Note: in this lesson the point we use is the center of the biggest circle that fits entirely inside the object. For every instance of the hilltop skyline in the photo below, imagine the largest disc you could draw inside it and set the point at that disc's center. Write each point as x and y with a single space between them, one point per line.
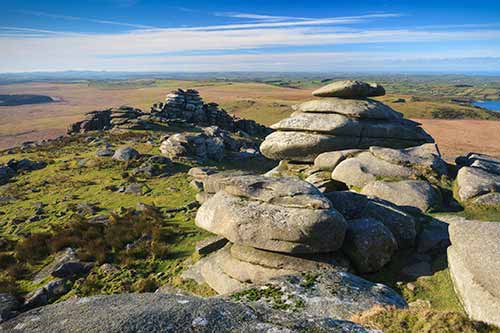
134 35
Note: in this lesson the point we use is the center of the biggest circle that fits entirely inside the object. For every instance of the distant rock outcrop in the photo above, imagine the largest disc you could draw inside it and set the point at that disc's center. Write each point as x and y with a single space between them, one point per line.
187 105
180 107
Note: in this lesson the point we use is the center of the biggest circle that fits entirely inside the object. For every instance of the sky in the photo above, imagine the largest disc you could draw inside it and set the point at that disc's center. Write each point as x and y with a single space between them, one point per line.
285 36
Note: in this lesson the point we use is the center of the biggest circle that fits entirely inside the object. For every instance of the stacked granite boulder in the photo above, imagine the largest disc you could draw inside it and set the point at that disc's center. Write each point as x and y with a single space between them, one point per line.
275 227
347 141
187 106
346 119
478 180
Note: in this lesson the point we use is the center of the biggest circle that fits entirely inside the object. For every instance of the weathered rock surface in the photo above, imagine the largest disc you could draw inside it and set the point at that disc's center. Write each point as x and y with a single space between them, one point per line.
272 227
364 109
326 294
141 313
350 89
298 263
366 168
425 158
473 182
329 160
283 191
410 194
305 146
474 261
369 244
353 206
9 306
339 125
126 154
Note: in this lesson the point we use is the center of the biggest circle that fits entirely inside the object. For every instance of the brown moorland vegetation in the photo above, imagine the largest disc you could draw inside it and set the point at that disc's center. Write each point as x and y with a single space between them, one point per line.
262 102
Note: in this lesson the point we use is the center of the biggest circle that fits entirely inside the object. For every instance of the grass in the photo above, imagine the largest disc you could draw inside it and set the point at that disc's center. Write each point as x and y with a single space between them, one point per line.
420 321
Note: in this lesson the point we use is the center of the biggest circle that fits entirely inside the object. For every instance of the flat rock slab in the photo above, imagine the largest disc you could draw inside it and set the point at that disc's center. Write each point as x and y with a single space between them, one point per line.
425 157
474 261
335 124
212 273
169 313
327 294
272 227
302 263
305 147
473 182
364 109
410 194
366 168
282 191
350 89
246 272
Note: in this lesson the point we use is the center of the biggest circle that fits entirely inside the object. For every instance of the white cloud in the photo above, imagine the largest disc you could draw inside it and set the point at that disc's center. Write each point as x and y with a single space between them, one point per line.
26 49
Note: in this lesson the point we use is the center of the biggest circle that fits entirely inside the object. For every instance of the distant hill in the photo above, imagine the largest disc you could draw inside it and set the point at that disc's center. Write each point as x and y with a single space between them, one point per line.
14 100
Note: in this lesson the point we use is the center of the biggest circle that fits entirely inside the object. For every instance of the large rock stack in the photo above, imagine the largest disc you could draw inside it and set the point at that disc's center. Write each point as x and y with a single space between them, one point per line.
346 119
347 141
275 226
188 106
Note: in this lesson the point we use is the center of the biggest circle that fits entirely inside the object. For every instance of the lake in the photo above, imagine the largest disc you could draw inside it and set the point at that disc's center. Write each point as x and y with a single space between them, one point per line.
490 105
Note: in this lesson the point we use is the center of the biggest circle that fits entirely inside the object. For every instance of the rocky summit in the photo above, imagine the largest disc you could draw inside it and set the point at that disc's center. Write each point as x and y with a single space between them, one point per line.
333 124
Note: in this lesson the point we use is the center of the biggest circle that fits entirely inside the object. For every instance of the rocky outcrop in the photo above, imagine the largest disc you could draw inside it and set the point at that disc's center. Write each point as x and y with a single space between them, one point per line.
188 106
474 261
122 117
14 167
478 179
349 122
177 313
212 143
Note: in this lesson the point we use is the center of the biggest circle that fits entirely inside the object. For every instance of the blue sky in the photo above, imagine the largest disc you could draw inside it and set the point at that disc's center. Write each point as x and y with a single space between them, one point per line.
312 36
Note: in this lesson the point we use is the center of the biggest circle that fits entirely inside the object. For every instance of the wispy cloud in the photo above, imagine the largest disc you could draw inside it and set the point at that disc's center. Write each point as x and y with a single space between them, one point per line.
259 16
78 18
220 47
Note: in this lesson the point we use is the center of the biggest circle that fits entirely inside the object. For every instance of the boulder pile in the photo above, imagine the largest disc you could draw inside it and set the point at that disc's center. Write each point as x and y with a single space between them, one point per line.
280 226
344 119
188 106
124 117
15 167
275 227
478 179
212 143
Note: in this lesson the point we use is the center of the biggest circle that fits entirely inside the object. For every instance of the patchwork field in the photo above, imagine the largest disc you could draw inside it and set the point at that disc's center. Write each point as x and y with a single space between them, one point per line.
469 129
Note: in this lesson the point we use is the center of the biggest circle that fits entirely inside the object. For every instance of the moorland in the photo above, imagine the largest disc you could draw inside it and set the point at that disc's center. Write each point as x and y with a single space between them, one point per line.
440 103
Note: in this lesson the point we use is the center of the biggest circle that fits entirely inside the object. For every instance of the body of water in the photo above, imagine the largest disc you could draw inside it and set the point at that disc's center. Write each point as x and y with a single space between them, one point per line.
490 105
